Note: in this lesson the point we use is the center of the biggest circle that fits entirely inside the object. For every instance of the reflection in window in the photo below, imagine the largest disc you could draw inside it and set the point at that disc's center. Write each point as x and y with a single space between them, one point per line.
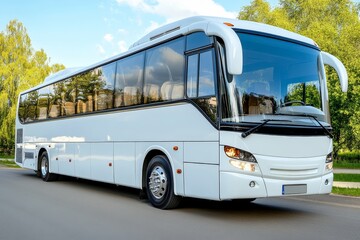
54 102
42 105
303 94
68 97
164 75
206 75
192 75
104 86
200 75
31 105
129 78
201 82
197 40
22 111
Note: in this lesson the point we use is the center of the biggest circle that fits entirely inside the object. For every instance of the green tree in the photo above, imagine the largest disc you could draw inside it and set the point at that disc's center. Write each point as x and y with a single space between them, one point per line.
20 68
335 26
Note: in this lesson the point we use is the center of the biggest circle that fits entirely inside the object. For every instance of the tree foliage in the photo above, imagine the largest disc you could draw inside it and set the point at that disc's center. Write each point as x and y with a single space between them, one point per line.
335 26
20 68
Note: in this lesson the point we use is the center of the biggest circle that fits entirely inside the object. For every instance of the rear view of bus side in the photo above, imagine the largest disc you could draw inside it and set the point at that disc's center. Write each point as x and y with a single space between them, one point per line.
204 107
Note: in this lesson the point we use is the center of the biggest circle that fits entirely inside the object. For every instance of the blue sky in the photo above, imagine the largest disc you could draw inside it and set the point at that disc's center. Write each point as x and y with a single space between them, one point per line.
83 32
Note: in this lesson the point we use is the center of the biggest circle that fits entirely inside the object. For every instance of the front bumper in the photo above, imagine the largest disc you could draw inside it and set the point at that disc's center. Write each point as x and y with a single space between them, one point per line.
237 186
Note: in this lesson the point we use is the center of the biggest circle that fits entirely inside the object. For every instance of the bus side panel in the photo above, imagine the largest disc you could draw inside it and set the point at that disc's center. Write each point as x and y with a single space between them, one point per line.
201 169
66 154
83 160
124 164
201 181
102 161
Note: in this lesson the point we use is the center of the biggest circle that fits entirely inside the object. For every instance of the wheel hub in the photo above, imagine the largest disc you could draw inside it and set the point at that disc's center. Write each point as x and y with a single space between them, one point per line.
44 166
158 182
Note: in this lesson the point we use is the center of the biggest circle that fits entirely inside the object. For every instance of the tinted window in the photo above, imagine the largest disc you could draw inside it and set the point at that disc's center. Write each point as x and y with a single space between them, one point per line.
68 97
31 104
105 86
201 82
164 72
192 75
129 79
42 105
197 40
206 75
200 75
22 111
85 91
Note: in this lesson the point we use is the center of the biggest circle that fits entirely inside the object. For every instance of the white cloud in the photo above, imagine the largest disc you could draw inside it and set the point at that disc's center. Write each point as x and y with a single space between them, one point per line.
122 31
108 37
100 49
122 46
177 9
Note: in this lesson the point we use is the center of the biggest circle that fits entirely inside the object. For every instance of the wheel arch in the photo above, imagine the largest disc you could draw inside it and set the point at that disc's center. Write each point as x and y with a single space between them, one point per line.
152 152
41 151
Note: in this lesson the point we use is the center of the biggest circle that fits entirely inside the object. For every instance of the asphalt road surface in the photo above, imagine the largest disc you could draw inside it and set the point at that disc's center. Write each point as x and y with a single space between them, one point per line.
79 209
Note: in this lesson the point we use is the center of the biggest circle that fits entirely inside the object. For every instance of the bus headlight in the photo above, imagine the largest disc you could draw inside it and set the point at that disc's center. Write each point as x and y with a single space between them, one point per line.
241 159
329 162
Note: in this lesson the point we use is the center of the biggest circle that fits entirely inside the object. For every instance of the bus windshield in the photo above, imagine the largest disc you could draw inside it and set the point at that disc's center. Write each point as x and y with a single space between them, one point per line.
279 78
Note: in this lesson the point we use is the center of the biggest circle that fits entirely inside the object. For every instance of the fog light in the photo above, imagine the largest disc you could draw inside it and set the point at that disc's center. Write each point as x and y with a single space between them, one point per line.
252 184
326 182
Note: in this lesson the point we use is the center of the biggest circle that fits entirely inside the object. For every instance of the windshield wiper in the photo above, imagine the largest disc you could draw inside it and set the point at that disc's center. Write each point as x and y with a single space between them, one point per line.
322 126
328 133
257 127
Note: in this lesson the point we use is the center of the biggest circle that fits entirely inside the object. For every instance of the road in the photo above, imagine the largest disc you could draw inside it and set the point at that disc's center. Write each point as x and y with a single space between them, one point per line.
79 209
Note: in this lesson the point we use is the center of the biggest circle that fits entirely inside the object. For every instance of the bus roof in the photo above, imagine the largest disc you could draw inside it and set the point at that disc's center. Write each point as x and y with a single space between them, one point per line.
182 27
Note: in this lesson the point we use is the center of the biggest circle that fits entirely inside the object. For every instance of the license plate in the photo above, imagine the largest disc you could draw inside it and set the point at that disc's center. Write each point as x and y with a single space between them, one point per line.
294 189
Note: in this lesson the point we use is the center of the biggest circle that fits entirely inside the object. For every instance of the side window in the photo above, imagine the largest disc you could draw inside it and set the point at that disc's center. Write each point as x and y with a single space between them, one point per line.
31 105
105 86
200 75
68 97
192 75
54 102
197 40
201 82
42 104
22 111
164 72
129 79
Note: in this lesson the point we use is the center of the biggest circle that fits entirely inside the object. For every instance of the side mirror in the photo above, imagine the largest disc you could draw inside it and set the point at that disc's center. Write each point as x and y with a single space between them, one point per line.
332 61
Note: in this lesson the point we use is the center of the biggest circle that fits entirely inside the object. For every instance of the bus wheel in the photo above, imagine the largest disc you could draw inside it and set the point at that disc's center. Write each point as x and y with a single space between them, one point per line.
160 184
44 168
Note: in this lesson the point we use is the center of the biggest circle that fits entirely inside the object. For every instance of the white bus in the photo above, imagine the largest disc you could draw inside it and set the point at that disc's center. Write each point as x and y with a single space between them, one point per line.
204 107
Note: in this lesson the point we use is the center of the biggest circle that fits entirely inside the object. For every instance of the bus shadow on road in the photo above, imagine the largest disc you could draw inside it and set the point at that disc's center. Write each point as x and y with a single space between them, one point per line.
274 208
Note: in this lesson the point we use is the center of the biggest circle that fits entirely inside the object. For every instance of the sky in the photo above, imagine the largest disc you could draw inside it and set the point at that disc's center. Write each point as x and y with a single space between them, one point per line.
79 33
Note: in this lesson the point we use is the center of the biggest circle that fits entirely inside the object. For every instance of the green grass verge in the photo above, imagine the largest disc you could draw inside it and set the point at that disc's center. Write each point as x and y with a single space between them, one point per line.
6 156
8 163
355 192
344 164
345 177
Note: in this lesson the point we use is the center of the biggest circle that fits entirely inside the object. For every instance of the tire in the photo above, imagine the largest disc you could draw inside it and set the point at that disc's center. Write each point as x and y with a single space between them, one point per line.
160 184
44 169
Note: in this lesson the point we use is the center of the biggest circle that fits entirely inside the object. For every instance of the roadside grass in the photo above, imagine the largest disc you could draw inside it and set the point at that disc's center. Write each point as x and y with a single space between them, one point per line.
345 177
354 192
5 156
8 163
346 164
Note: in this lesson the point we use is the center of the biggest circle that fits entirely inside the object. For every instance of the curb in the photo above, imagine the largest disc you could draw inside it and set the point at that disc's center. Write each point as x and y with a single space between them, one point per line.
346 184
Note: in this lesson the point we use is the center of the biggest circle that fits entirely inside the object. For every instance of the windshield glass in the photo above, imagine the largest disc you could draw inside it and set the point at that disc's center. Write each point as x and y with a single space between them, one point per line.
279 78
